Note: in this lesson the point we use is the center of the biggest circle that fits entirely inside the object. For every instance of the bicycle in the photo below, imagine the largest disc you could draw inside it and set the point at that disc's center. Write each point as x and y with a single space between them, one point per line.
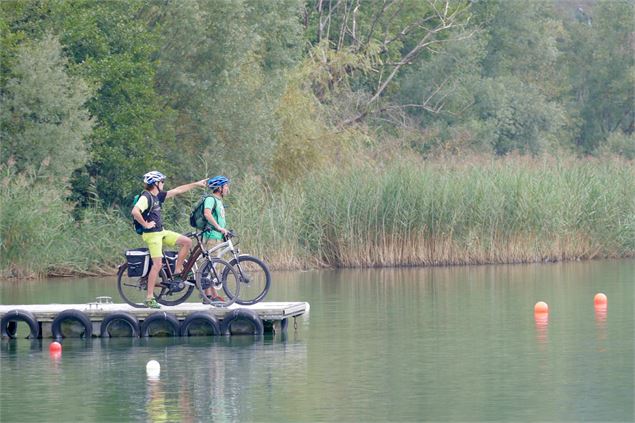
171 290
254 275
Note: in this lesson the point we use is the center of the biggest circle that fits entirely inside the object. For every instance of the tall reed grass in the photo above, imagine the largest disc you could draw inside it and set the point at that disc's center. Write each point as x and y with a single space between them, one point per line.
418 213
405 213
40 237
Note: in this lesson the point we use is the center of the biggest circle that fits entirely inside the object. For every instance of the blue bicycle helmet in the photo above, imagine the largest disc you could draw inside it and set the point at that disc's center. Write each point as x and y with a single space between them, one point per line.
217 182
153 177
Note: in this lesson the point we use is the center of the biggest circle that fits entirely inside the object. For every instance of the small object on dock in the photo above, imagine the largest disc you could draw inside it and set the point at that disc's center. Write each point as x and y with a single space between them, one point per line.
541 307
153 369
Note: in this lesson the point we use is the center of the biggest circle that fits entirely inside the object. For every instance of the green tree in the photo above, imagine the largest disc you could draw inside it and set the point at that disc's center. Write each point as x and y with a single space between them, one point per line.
113 47
373 44
221 69
514 115
522 40
44 124
600 58
498 89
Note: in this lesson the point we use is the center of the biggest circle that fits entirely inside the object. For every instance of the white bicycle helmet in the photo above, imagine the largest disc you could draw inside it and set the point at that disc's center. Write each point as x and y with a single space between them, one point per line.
153 177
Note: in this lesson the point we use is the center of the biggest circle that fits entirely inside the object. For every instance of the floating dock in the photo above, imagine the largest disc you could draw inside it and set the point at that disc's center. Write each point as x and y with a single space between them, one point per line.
106 319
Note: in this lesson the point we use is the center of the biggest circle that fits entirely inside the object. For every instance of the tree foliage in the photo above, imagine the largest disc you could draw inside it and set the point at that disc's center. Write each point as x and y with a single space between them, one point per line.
277 89
386 37
44 124
599 55
221 67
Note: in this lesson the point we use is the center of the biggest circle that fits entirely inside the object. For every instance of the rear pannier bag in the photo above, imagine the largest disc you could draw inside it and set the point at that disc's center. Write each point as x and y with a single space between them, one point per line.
138 262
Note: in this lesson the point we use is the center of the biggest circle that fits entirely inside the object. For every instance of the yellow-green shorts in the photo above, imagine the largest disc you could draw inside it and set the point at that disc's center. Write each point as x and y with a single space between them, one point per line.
156 240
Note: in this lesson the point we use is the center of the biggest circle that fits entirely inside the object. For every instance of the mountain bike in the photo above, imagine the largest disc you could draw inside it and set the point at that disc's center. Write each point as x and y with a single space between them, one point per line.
171 289
253 273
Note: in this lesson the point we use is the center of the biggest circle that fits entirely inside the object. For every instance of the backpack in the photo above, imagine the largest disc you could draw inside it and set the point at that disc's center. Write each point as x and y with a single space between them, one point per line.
137 226
197 216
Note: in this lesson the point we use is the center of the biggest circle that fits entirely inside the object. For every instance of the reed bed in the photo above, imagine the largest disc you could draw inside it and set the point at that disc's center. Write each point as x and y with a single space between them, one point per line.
39 236
483 211
407 213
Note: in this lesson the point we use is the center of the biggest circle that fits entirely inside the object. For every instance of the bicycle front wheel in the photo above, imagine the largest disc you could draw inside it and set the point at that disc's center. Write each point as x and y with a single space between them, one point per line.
133 289
208 278
255 279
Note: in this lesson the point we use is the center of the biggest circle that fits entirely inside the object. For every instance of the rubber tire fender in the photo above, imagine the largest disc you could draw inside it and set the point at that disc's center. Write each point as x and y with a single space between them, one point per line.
204 316
71 314
242 314
160 316
119 316
21 316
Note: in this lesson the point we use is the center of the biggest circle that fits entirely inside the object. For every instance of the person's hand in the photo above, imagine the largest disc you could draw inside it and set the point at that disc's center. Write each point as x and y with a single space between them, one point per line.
223 231
202 183
151 224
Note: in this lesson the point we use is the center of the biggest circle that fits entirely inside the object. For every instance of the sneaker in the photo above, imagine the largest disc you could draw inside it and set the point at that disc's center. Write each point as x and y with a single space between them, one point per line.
214 298
151 303
217 284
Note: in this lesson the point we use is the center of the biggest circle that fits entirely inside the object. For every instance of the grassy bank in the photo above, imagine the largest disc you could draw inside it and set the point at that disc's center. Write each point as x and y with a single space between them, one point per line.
408 213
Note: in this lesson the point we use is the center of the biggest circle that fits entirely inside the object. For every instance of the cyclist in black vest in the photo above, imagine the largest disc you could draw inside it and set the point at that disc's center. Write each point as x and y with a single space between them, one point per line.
153 232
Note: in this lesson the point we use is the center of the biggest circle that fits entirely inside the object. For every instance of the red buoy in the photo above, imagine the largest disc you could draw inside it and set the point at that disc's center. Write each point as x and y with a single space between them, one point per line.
55 347
600 298
541 307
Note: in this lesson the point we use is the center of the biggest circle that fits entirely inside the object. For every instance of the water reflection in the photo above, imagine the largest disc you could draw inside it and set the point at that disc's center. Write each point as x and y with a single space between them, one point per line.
542 323
601 311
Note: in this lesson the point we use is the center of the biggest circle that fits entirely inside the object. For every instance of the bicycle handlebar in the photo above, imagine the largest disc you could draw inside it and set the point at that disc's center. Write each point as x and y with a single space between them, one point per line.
230 234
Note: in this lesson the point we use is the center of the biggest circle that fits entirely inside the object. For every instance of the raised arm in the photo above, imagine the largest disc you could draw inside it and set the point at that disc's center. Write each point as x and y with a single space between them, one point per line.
185 188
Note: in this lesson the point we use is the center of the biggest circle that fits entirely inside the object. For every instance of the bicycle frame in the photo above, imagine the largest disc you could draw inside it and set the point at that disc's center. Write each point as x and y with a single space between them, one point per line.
193 257
224 247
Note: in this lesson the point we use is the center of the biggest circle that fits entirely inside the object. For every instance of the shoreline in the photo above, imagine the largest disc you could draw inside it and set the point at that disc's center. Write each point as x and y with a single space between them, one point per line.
275 268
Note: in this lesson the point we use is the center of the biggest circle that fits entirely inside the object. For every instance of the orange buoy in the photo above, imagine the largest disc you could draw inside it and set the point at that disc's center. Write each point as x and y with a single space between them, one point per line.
600 298
541 307
55 348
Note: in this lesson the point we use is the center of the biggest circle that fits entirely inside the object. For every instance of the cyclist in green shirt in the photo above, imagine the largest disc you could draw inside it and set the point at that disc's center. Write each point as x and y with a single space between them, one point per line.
214 213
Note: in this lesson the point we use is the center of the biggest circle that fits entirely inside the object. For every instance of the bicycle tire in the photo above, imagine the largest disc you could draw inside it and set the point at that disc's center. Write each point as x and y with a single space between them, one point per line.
133 289
214 268
255 287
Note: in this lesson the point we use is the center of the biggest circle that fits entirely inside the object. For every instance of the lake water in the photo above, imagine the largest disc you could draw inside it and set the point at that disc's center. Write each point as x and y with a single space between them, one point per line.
415 344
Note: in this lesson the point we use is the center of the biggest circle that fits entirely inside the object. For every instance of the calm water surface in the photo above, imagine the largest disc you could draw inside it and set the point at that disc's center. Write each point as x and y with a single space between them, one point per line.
430 344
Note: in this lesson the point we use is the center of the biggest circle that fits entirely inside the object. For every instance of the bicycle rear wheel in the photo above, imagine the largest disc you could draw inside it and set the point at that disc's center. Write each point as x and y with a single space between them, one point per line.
133 289
209 275
255 279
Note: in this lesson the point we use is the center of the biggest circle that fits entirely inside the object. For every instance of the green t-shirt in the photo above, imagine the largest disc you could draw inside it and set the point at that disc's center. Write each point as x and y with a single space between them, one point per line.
219 216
